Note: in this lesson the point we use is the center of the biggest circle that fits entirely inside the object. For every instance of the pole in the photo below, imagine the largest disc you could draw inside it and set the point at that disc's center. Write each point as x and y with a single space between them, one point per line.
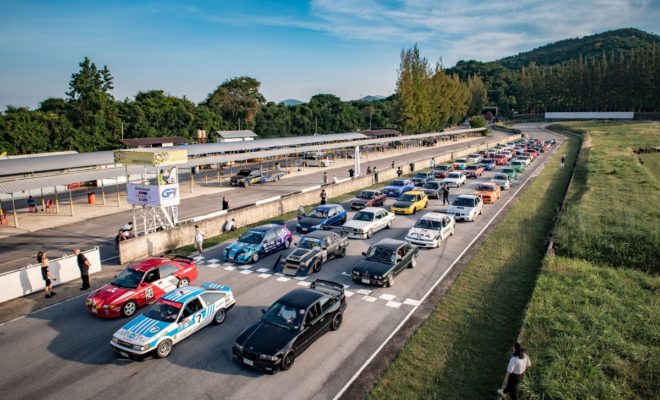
102 192
118 198
13 206
57 202
192 179
43 201
71 203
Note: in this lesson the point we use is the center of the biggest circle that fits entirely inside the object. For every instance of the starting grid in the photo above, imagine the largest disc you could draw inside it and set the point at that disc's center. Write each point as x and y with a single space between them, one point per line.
389 300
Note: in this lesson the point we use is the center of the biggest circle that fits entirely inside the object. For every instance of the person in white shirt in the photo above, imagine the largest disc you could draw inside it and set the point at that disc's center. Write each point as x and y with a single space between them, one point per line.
230 225
518 364
432 163
199 239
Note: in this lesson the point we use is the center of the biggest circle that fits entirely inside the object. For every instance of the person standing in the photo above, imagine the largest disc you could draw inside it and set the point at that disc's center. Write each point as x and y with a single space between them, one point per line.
392 164
32 204
335 180
515 371
199 239
432 163
399 172
563 160
45 274
83 265
324 196
445 194
376 174
325 178
225 203
351 173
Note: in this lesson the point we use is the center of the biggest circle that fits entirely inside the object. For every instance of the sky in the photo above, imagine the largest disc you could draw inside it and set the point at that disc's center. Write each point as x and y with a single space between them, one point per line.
296 49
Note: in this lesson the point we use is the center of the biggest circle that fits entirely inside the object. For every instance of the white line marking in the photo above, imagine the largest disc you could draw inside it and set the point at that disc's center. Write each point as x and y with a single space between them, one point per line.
246 272
411 302
245 267
369 299
303 283
265 276
213 260
412 310
393 304
262 270
213 265
301 278
230 268
104 260
345 273
279 274
283 279
365 292
348 293
387 297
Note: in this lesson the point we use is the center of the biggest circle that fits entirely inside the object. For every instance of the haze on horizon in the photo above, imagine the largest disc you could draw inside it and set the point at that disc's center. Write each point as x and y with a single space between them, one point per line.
296 49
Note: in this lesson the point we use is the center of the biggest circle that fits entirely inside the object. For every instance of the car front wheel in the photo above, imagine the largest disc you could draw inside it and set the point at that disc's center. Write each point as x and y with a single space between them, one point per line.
129 308
390 280
255 257
316 266
413 263
164 348
288 360
342 252
369 233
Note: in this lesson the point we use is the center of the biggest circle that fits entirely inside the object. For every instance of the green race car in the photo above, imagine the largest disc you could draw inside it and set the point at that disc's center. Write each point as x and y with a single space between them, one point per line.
511 173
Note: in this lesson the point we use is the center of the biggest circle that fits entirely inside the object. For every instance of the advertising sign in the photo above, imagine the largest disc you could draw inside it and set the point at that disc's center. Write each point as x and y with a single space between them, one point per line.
154 157
153 195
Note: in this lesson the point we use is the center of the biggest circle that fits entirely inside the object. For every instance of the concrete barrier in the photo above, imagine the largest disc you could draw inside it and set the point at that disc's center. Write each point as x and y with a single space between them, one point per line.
21 282
160 242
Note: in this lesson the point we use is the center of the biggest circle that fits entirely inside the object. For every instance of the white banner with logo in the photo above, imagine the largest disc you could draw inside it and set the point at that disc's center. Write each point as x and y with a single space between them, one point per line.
153 195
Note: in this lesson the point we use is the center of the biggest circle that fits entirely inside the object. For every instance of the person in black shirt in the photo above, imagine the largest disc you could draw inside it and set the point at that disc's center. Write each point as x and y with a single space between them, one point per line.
83 265
119 238
225 203
445 194
45 274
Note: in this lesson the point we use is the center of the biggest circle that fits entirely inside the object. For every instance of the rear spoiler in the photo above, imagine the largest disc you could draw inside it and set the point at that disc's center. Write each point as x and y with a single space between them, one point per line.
184 259
328 287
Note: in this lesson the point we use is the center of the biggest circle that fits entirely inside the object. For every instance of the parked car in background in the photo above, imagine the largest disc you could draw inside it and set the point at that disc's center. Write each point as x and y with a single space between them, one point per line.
455 179
474 171
489 192
410 202
368 198
383 261
290 326
431 229
368 221
466 207
421 178
312 251
174 317
315 160
140 284
502 180
257 243
398 187
321 216
433 189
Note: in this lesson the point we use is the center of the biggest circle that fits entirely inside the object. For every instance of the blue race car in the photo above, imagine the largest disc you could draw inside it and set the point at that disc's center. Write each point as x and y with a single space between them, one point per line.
488 164
175 316
324 215
398 187
258 242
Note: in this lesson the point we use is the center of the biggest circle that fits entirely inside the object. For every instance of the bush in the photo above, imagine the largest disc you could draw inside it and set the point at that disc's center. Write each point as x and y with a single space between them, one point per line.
478 122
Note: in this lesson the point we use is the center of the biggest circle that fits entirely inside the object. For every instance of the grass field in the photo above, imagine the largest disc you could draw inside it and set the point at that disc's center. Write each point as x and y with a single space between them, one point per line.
461 350
592 325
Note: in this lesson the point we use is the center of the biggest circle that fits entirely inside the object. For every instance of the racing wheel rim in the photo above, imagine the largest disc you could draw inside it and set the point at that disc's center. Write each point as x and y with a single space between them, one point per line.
220 316
164 348
129 308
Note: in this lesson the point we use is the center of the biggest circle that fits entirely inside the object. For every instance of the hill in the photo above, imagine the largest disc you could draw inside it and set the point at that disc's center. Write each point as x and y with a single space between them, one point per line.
291 102
372 98
587 46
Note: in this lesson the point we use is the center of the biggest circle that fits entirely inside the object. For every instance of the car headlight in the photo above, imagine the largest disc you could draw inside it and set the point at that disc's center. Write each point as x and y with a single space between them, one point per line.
267 357
298 225
115 340
378 277
238 347
106 306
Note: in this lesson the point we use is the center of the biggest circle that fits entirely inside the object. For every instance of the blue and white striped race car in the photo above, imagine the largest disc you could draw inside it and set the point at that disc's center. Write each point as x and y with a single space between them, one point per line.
175 316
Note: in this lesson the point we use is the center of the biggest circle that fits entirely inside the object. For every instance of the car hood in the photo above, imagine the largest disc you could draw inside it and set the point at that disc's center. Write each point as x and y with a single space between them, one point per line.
239 177
354 224
240 246
358 200
395 188
298 254
265 338
402 204
423 233
373 267
462 209
110 294
310 221
142 329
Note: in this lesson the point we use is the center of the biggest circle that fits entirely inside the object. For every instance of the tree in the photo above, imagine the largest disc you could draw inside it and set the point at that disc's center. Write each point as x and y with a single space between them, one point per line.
237 100
478 95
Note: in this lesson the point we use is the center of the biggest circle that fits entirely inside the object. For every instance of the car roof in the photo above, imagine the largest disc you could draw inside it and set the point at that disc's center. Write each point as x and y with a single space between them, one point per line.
372 209
146 265
183 294
414 192
326 206
467 196
390 243
301 297
319 234
435 216
266 227
494 186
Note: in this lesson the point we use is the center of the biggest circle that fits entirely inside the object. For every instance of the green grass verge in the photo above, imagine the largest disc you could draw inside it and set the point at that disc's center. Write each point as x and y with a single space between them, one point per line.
461 350
592 326
592 333
612 212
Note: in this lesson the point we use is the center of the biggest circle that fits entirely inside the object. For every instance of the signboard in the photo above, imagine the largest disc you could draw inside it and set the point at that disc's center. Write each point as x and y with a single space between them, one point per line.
153 195
155 157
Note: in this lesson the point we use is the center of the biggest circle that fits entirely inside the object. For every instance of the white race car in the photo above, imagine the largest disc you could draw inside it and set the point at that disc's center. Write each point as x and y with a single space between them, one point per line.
466 207
175 316
474 158
502 180
368 221
455 179
431 229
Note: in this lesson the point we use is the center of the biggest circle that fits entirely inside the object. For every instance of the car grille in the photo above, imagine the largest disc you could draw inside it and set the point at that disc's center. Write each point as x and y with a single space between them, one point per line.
250 354
293 262
125 344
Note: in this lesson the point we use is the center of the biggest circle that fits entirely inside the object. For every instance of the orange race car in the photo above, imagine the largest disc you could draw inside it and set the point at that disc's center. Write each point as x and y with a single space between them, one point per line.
489 192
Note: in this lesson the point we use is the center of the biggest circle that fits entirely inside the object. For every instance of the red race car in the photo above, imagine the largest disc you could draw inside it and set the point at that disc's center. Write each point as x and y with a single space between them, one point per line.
139 285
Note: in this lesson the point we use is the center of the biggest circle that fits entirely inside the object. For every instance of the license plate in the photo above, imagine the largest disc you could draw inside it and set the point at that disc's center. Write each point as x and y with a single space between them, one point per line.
123 354
248 362
365 280
304 229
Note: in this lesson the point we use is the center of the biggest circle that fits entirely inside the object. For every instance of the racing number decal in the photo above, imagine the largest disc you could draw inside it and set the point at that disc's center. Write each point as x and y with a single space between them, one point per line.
149 293
198 318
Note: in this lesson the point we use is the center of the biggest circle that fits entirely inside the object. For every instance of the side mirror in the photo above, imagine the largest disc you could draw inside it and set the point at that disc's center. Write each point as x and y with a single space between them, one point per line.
364 253
295 243
263 311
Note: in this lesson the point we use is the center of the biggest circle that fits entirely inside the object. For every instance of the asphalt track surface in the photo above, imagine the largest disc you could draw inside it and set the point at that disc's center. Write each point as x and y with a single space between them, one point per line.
63 353
20 250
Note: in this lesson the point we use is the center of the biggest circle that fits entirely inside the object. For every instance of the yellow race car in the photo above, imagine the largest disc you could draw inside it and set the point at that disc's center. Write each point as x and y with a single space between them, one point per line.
410 202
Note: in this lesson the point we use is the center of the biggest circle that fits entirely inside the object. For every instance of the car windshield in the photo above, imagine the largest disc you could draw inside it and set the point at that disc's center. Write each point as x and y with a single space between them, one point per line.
422 175
309 243
454 175
164 310
364 216
284 315
463 202
488 161
501 177
407 198
244 172
252 237
461 160
443 168
428 224
516 163
128 278
318 213
381 254
471 167
507 170
432 185
366 194
397 183
486 187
